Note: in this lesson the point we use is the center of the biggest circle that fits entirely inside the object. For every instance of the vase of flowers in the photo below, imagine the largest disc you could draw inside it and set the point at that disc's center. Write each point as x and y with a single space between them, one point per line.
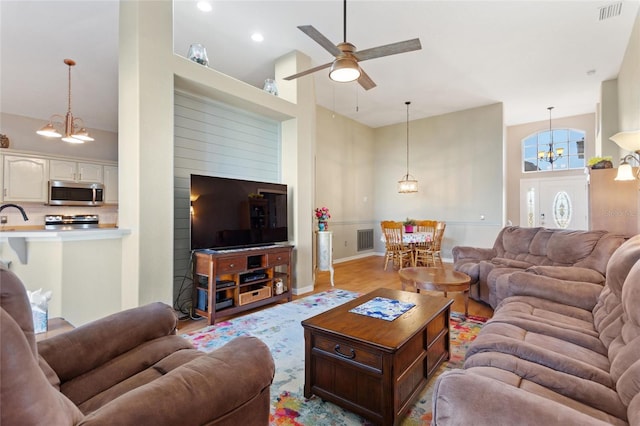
322 215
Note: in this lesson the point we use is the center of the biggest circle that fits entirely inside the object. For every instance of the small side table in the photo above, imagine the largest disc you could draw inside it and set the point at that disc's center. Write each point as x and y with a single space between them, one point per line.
324 252
437 279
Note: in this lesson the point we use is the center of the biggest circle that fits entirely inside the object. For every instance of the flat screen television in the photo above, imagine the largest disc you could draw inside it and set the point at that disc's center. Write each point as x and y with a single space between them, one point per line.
234 213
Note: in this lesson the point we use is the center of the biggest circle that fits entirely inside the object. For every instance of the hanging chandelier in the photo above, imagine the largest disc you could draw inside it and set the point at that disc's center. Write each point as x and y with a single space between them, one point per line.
70 127
408 183
550 155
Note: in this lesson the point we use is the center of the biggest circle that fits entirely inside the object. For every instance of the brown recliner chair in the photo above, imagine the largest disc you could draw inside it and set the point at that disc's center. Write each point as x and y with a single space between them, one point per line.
125 369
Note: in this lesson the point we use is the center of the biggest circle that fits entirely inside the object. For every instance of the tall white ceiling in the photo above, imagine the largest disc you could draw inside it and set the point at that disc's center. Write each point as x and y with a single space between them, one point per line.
527 54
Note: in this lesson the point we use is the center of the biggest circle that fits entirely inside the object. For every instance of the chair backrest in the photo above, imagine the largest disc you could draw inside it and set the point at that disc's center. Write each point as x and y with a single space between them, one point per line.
392 232
427 226
438 235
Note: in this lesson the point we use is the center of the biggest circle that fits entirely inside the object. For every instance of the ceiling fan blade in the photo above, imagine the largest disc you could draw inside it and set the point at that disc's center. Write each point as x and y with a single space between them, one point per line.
320 39
309 71
389 49
365 81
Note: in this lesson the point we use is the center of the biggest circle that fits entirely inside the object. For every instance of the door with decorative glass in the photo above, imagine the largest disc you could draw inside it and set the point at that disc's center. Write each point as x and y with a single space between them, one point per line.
560 202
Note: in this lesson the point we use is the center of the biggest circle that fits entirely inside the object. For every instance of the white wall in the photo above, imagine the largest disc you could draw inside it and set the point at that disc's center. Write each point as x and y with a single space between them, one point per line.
345 172
457 159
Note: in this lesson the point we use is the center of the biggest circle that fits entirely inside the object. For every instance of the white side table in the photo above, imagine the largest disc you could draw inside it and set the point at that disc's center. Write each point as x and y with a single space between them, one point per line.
324 252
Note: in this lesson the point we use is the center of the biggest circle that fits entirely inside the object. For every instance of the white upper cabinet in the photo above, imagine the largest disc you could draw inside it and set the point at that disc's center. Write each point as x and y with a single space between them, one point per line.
25 178
111 184
75 171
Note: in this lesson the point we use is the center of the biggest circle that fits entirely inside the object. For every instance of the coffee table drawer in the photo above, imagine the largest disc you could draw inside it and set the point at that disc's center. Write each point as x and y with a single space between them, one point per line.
349 351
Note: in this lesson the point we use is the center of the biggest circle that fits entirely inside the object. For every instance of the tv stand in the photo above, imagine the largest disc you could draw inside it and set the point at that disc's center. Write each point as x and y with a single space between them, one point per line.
227 282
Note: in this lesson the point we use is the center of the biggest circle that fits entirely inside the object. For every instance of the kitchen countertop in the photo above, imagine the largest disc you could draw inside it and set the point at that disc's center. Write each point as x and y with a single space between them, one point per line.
38 233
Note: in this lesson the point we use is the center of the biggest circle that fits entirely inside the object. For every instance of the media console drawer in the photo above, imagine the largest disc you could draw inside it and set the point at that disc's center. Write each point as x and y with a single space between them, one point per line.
232 264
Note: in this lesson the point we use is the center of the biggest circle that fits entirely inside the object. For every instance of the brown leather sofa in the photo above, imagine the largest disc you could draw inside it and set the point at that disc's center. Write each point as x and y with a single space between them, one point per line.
125 369
536 250
554 353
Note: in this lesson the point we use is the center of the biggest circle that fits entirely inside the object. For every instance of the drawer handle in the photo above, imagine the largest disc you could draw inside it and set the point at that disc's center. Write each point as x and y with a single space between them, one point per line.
279 258
231 265
352 356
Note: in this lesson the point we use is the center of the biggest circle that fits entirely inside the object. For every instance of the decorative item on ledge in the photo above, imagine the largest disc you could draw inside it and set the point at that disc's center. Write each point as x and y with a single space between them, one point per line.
270 86
4 141
600 162
408 225
322 214
198 53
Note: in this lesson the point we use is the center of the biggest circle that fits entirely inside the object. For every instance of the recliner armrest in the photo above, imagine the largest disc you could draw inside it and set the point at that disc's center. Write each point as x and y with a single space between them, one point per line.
84 348
475 253
209 387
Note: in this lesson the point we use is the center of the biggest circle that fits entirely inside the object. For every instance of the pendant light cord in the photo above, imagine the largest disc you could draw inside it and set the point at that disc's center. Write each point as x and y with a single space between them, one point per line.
407 103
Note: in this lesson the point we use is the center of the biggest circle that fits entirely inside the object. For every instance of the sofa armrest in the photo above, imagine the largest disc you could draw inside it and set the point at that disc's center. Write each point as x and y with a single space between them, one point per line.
84 348
583 295
464 398
472 253
569 273
214 386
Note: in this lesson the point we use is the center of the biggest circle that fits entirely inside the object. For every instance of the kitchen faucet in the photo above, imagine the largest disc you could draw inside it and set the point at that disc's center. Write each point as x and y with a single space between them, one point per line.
24 215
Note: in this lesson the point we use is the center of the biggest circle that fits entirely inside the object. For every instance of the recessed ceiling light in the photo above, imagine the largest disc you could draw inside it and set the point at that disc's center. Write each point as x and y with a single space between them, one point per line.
204 6
257 37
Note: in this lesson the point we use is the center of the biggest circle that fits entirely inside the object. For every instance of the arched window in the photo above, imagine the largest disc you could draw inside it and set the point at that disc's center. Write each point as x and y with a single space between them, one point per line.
538 149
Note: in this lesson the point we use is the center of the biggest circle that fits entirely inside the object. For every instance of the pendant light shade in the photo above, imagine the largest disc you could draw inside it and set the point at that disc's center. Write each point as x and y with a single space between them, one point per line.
625 171
408 183
69 128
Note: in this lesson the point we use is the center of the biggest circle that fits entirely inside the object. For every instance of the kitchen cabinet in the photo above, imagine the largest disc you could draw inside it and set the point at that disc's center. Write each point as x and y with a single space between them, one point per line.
75 171
25 178
111 184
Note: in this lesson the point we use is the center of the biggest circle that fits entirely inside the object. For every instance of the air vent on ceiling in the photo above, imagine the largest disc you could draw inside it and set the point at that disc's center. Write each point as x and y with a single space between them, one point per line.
610 11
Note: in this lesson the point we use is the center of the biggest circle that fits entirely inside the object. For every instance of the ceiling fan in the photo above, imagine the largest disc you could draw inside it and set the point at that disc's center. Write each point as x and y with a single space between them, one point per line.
345 67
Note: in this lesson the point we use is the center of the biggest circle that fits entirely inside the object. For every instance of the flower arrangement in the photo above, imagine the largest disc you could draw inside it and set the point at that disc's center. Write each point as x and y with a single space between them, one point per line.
322 214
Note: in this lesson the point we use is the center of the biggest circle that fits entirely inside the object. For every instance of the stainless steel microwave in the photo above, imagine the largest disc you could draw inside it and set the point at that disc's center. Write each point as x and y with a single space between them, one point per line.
62 193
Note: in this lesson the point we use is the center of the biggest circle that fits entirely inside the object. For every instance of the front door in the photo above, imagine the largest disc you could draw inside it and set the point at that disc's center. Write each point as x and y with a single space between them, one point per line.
559 202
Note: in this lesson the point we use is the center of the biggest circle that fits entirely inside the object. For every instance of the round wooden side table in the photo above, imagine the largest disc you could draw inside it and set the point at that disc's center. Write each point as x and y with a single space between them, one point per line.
436 279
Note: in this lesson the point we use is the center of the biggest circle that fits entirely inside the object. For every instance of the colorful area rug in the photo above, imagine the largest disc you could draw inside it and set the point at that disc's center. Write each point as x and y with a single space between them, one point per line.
279 328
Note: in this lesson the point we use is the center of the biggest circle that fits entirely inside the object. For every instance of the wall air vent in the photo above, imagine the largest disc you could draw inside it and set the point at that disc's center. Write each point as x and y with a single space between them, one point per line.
610 11
365 239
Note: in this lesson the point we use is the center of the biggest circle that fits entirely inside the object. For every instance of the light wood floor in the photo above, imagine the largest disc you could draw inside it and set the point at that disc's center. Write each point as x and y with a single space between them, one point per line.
362 276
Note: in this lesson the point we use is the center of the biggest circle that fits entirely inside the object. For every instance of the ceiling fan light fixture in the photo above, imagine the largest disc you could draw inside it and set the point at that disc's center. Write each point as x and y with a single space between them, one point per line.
344 70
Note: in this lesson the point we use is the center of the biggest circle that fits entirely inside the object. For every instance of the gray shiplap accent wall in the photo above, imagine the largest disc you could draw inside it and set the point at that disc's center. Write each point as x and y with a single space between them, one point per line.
215 139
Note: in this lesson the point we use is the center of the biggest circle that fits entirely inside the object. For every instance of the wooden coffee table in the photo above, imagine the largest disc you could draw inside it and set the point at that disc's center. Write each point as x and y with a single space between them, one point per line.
371 366
438 279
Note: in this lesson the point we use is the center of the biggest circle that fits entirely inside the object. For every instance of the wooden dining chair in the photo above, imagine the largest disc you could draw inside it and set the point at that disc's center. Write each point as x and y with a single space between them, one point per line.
421 249
433 253
395 249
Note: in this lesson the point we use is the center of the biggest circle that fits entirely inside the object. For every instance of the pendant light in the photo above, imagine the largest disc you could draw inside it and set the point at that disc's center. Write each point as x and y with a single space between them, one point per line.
550 155
407 184
70 127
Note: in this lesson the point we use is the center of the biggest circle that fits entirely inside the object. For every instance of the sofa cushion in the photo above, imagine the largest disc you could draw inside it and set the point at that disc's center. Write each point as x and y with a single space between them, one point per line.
538 246
515 240
569 247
